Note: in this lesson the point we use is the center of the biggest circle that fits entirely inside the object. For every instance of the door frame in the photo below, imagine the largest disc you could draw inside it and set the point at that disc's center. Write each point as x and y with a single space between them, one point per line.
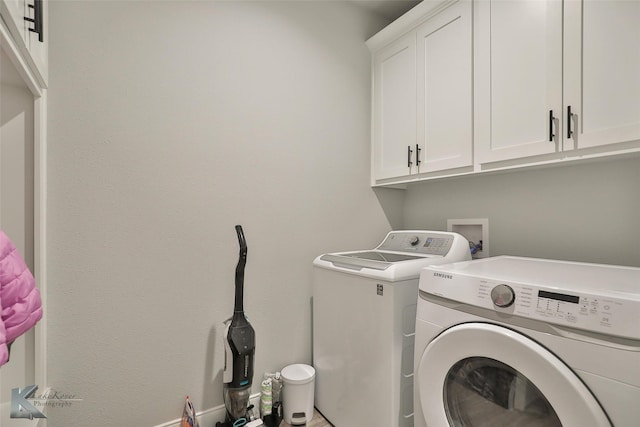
39 92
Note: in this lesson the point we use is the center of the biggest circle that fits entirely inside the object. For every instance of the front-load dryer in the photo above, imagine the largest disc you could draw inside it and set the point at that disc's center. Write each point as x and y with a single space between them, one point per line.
364 311
510 341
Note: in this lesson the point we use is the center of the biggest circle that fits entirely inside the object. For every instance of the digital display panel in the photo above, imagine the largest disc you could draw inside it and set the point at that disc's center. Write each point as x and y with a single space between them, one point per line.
559 297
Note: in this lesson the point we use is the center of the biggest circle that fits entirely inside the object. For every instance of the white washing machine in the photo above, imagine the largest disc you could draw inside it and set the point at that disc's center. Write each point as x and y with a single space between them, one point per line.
510 341
364 310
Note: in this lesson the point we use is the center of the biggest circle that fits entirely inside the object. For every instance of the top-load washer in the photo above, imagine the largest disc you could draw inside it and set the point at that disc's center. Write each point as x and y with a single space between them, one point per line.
364 309
530 342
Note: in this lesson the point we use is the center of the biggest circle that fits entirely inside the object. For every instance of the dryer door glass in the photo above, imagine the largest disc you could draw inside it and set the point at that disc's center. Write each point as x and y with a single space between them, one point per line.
455 356
482 392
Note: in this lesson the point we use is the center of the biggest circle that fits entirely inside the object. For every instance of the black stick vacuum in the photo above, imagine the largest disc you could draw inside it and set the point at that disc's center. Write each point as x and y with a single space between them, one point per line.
240 347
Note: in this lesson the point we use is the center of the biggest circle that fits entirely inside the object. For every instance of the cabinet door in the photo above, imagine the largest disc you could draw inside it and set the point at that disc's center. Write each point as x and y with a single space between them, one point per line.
602 71
38 50
519 78
35 52
445 76
394 109
13 13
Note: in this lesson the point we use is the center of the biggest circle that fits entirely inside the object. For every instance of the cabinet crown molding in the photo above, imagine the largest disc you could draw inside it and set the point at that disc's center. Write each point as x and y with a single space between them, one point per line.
405 23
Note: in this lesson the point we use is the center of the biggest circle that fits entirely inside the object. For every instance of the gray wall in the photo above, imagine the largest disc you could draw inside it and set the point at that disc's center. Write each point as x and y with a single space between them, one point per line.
587 212
169 123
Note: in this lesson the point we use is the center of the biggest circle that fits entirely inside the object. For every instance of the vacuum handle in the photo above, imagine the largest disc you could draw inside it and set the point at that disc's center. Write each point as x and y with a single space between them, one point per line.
239 306
242 241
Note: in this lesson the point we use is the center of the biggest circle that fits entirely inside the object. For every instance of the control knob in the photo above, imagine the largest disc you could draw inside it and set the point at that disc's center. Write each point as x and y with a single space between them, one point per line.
414 240
503 296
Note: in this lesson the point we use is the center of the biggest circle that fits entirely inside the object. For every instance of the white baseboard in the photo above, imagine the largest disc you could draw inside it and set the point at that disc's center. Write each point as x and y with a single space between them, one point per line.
211 416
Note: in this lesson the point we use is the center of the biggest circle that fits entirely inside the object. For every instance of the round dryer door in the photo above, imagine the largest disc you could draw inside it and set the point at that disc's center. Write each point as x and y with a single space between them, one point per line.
483 375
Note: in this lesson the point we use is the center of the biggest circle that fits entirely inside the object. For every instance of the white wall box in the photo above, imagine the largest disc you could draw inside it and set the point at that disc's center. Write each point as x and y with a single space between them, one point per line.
475 230
27 22
554 77
422 92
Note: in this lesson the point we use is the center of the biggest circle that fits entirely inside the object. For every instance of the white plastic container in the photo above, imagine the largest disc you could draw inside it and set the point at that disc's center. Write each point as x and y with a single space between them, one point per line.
298 391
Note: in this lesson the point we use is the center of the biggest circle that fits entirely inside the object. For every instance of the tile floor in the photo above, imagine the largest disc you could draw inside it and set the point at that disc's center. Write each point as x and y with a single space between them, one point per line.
317 421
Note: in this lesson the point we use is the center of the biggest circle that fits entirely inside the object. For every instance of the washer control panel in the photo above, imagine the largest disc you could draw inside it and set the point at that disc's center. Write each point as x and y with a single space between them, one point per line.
427 243
600 299
603 314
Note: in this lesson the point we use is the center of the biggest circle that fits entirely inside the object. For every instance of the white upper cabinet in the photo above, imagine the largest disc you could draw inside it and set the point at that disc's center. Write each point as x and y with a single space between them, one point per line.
554 77
445 88
394 109
27 23
518 78
13 12
602 71
422 92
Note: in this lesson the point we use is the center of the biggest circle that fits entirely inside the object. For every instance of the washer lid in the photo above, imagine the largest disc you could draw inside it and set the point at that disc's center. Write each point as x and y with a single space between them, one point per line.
376 260
498 391
400 256
380 256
